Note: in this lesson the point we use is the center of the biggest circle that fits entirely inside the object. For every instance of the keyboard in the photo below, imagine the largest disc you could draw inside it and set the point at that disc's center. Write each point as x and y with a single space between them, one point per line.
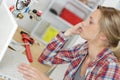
10 63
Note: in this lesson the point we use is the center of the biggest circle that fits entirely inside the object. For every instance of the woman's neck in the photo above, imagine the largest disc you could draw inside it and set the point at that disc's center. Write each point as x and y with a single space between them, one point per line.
94 48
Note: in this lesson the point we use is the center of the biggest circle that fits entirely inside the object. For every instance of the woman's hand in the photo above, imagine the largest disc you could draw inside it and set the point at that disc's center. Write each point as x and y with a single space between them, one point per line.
75 30
31 73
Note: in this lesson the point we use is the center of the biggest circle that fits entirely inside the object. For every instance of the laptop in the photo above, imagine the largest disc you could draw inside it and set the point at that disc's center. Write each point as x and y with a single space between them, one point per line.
8 26
9 59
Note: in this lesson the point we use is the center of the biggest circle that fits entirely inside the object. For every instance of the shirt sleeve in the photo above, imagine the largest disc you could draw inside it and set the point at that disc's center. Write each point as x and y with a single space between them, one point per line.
54 52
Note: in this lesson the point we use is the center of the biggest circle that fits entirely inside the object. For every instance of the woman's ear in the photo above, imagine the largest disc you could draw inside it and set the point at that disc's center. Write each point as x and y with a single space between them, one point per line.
103 37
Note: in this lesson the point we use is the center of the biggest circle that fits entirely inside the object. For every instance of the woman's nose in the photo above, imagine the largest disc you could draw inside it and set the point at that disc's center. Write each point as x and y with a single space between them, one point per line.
85 22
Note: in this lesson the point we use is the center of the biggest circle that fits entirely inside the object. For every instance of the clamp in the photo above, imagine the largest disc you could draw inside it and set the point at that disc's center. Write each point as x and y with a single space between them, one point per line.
27 39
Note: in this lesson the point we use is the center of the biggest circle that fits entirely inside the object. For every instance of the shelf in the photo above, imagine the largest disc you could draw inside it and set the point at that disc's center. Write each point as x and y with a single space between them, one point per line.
45 31
56 21
83 5
40 27
92 3
49 18
39 39
76 8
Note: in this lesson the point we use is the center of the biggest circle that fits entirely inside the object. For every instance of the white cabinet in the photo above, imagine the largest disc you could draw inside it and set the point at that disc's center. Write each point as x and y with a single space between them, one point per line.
63 14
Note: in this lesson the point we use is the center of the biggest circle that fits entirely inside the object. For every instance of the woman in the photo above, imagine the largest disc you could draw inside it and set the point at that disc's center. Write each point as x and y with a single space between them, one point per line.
93 60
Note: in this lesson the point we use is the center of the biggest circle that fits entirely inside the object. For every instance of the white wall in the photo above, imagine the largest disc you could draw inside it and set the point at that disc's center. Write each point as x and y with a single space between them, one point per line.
112 3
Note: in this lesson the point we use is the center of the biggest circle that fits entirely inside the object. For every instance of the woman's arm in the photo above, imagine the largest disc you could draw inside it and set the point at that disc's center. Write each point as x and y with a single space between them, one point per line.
54 52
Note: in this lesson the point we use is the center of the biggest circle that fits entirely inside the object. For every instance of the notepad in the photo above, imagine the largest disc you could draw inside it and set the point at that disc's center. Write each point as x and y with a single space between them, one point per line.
50 33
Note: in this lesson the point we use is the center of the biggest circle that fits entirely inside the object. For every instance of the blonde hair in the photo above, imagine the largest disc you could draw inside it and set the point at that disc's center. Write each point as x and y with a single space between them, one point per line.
110 26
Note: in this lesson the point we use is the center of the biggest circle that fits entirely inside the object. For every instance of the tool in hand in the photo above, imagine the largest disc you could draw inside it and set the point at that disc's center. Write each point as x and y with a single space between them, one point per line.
27 39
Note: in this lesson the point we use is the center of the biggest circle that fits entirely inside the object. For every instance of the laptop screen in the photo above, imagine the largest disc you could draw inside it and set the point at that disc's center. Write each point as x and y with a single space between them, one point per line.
8 26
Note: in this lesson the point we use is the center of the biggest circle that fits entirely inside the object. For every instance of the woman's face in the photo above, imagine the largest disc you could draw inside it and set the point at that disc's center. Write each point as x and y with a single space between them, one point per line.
90 27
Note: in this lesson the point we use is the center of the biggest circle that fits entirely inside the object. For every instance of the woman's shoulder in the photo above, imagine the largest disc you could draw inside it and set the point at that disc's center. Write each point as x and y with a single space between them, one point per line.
109 58
112 60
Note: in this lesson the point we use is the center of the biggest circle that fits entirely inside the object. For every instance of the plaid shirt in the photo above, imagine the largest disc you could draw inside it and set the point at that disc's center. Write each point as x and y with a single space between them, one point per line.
105 67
